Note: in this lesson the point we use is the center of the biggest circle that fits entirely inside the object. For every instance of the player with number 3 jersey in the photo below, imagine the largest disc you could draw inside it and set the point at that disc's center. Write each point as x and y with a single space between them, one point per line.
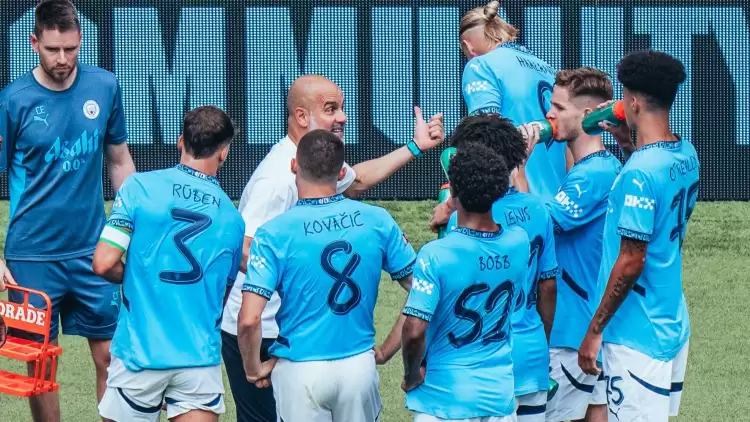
186 237
324 257
642 319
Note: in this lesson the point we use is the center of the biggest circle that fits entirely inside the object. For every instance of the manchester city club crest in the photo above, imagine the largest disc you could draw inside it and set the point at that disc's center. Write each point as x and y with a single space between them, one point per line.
91 109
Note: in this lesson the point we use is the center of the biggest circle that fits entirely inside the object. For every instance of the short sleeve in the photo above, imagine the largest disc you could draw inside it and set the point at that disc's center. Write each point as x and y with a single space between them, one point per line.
638 206
263 266
8 135
236 258
575 205
348 179
425 288
266 200
399 254
479 90
548 267
125 204
117 132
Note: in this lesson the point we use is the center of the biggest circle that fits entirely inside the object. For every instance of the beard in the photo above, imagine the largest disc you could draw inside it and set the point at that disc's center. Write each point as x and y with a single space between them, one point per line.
58 74
336 128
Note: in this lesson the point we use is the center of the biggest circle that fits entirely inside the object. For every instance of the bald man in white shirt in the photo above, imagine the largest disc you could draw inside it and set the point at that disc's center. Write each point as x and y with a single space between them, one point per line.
314 102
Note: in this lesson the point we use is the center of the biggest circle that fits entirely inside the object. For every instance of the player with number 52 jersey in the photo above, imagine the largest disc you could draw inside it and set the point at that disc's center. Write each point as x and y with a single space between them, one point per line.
324 257
504 77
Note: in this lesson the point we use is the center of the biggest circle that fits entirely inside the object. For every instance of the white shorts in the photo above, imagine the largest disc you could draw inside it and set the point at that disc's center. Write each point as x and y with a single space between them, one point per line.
139 396
576 389
641 388
343 390
422 417
532 407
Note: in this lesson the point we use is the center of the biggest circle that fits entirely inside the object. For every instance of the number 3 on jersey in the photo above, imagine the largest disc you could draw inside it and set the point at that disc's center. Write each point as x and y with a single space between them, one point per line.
499 332
198 224
343 279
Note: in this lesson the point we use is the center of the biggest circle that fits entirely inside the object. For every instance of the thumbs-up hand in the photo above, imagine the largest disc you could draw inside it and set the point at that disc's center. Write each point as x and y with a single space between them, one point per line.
428 135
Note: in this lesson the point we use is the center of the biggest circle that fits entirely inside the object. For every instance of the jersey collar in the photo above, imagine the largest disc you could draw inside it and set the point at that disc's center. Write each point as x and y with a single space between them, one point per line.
603 153
321 201
477 234
511 191
199 174
662 144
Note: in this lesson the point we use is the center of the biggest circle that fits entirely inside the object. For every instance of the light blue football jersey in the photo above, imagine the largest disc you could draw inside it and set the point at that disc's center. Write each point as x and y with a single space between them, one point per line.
512 81
530 348
464 286
578 212
185 251
652 200
324 257
53 144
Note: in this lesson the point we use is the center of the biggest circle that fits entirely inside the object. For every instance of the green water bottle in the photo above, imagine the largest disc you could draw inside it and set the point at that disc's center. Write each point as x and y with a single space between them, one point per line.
547 130
613 114
553 386
445 159
444 195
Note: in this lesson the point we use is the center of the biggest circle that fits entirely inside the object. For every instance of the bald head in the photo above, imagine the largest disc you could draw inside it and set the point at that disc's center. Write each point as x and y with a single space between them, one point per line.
306 89
315 102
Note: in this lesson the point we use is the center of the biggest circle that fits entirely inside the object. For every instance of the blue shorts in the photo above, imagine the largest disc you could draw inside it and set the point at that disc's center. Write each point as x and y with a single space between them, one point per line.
87 304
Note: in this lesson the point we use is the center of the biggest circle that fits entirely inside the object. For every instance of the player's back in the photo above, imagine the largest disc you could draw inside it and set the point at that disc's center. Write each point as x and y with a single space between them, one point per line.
330 254
512 81
530 351
652 201
468 349
579 211
185 250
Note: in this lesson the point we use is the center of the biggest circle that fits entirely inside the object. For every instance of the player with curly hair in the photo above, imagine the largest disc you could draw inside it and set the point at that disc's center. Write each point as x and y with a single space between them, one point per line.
535 302
461 302
642 320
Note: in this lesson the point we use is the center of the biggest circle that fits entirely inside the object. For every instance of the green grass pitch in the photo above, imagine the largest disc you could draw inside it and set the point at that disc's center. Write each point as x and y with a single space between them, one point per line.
717 286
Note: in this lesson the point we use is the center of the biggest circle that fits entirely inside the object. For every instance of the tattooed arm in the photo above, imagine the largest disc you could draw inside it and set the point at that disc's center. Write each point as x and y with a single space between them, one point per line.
625 273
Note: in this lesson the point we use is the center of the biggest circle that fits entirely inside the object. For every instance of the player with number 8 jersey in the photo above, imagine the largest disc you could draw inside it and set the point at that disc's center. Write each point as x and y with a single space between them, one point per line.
185 238
324 257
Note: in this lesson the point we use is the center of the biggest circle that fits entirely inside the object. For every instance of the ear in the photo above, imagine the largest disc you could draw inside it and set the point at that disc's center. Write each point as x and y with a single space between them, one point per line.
467 48
294 166
180 141
342 173
302 117
224 153
453 192
34 43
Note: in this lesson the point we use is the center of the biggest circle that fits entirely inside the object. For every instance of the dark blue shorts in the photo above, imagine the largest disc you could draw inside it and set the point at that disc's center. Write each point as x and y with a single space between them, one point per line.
87 304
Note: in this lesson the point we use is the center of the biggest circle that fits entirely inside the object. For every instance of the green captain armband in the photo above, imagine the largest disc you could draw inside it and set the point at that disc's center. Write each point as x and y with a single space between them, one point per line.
414 148
116 236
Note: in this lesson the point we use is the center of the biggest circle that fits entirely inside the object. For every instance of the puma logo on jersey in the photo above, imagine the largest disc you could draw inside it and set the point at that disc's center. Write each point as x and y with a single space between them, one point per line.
580 192
639 184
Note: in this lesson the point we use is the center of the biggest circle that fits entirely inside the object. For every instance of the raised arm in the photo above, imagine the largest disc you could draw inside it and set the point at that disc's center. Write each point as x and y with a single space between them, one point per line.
373 172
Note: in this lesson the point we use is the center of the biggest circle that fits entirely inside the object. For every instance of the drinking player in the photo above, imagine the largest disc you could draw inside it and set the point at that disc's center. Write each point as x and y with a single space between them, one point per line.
56 121
186 237
506 78
460 305
642 320
534 309
314 102
578 212
324 258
